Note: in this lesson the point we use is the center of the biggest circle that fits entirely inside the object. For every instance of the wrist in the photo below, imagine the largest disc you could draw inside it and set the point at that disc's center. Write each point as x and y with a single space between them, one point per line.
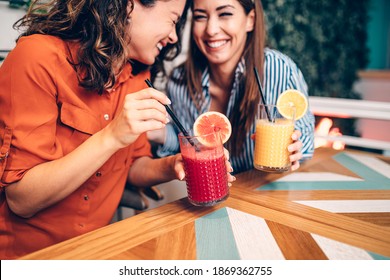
157 136
107 140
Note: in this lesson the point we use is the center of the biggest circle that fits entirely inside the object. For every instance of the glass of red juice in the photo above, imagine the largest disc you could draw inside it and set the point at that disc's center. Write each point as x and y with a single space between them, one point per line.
205 168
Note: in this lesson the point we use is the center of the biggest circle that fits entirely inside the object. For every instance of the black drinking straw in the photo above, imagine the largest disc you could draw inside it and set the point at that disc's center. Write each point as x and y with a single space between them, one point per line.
174 118
262 94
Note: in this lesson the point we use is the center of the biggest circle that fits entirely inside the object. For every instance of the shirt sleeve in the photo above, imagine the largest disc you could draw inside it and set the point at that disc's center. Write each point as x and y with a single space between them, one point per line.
306 123
27 86
141 148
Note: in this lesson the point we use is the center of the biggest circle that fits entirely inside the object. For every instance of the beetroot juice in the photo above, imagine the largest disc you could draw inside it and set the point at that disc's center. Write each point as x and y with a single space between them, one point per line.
206 178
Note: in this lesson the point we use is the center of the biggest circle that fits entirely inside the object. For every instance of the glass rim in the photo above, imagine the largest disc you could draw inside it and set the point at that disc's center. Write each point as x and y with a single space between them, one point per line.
216 131
276 106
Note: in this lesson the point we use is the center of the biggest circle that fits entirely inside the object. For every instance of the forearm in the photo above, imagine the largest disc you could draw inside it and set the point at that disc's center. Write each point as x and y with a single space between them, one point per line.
50 182
147 172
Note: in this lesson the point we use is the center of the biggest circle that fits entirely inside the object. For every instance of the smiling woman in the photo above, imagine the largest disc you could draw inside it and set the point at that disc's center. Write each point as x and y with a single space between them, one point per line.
79 110
227 42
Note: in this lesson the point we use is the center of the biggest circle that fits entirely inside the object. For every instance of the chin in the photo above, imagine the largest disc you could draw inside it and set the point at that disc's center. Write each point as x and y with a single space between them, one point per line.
145 59
148 61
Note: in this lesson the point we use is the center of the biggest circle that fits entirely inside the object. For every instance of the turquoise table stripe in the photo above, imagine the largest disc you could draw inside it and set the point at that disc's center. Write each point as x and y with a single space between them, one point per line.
372 179
326 185
214 237
378 257
364 171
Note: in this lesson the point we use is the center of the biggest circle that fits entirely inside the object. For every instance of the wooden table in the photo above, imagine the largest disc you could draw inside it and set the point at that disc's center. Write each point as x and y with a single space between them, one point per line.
336 206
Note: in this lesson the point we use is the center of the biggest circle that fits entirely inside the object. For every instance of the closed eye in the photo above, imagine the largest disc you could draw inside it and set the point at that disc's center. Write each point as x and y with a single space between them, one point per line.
199 17
225 14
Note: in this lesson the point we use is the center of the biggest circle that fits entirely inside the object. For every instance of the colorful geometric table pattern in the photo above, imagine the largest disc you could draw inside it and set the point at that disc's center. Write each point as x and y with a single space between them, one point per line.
336 207
229 234
374 173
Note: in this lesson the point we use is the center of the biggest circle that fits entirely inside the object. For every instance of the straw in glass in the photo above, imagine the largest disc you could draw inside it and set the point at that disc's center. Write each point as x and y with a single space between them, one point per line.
261 93
174 118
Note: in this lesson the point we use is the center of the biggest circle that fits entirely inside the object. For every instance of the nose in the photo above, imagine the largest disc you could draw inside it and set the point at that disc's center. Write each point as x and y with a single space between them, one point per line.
172 37
212 27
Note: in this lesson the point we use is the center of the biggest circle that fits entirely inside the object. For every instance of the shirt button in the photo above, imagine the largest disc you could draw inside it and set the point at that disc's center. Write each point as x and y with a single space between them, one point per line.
106 117
98 174
86 197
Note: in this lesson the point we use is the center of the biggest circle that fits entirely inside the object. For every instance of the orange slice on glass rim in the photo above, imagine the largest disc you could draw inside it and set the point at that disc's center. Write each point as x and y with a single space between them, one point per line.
292 98
210 122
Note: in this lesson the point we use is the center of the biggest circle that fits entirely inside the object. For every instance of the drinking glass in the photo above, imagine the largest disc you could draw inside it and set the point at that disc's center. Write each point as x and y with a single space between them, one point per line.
273 136
205 168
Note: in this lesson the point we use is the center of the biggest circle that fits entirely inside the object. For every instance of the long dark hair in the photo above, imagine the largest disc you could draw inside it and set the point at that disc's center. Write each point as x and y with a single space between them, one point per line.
99 27
244 111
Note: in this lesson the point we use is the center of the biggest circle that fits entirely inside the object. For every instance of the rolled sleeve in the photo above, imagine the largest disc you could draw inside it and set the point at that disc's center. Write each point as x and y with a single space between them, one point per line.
306 123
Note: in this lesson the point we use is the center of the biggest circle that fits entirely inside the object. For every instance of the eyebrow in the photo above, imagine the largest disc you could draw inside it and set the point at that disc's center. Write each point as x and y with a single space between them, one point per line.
218 8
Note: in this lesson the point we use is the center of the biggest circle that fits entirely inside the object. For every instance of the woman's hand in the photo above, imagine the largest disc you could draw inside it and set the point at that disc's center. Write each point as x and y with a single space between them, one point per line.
142 111
229 167
295 150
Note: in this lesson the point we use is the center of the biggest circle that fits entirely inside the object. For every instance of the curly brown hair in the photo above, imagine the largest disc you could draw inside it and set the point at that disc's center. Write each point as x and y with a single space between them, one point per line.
99 27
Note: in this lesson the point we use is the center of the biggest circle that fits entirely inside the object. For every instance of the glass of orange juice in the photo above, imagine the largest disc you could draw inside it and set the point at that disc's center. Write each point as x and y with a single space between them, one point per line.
273 136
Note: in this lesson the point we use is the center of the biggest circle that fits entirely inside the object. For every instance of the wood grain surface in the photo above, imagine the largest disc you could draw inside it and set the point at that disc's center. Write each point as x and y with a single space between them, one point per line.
257 221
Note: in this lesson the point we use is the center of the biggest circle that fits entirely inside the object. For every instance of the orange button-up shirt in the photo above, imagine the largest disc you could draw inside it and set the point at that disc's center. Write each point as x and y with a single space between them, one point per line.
44 115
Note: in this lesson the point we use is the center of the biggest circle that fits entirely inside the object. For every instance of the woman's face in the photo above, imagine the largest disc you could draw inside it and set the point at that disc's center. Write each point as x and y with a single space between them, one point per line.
152 28
220 29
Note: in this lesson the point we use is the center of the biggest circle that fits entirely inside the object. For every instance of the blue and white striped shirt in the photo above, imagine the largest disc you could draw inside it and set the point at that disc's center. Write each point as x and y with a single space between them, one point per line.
280 74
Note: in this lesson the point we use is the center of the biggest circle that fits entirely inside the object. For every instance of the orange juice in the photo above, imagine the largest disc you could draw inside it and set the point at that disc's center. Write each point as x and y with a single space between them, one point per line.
272 140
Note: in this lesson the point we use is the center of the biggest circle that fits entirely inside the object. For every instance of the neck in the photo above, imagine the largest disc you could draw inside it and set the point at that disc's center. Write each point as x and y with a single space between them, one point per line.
221 77
221 82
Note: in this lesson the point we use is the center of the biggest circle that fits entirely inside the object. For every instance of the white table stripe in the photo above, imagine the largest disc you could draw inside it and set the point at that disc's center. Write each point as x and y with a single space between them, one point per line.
335 250
349 206
316 177
248 228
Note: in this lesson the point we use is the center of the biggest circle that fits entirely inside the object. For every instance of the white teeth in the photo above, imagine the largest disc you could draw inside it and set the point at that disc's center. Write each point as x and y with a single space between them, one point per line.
160 46
216 44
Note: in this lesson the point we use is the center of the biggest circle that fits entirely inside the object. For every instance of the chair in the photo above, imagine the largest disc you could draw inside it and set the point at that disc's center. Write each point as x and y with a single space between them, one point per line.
138 198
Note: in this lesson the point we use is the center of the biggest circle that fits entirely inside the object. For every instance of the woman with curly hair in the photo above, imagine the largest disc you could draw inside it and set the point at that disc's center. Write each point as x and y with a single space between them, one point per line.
74 112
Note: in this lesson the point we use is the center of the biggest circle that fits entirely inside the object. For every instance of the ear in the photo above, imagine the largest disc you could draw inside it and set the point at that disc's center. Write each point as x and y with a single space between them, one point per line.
250 21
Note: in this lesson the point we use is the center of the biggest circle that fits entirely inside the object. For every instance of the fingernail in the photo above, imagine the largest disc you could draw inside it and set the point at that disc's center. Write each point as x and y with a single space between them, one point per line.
181 176
234 178
167 120
231 169
229 184
168 101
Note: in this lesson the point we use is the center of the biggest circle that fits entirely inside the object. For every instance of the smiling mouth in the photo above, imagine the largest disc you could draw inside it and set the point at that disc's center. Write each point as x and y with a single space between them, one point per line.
160 46
216 44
